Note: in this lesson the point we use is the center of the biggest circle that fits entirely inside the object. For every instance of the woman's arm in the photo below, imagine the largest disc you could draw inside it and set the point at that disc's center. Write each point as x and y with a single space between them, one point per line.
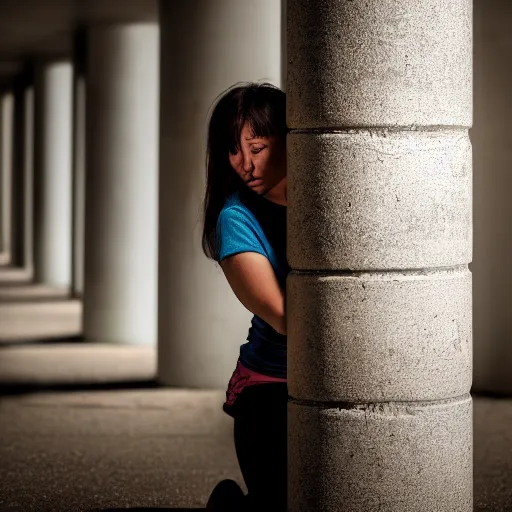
254 282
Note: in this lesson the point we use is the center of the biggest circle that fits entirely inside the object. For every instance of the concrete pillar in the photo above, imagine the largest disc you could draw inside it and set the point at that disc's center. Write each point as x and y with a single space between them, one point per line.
6 170
78 185
120 266
492 273
206 47
53 211
379 239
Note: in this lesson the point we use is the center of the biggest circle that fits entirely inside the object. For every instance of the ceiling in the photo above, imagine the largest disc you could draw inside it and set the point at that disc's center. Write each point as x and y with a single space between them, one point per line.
40 28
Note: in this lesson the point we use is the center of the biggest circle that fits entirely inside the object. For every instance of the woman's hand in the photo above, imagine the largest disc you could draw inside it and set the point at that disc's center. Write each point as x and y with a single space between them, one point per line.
255 284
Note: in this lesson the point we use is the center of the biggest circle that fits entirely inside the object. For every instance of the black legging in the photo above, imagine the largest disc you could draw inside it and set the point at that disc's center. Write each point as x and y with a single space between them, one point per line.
261 444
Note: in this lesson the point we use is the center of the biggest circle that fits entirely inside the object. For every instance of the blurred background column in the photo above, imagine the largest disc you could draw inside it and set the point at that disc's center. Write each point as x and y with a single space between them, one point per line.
120 267
206 47
53 179
6 174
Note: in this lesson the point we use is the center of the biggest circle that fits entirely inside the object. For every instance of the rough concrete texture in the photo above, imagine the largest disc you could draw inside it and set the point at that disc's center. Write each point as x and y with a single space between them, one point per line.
379 97
375 337
110 450
379 199
379 62
386 457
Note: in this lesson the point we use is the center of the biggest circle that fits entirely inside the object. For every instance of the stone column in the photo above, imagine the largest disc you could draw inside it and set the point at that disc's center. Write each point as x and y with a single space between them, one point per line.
206 47
53 211
379 239
120 265
6 169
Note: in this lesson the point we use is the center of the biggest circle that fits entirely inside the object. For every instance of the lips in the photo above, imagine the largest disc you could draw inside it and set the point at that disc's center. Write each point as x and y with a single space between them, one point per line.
255 183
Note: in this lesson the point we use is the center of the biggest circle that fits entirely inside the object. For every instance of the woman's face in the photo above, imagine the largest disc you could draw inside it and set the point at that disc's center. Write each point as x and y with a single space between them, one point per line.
260 161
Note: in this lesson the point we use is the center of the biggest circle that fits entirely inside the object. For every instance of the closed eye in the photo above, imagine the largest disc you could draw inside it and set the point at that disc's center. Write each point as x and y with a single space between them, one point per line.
257 149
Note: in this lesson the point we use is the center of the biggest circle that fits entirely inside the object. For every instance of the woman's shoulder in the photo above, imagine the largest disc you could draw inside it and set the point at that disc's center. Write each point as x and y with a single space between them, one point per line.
238 230
233 201
237 221
234 210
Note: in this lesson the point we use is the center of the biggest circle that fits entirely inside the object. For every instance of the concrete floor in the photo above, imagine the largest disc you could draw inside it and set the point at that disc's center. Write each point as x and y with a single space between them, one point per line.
32 292
101 449
85 428
79 449
14 275
32 312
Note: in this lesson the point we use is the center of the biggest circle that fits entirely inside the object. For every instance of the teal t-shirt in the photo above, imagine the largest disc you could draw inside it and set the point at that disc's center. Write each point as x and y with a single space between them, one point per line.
250 223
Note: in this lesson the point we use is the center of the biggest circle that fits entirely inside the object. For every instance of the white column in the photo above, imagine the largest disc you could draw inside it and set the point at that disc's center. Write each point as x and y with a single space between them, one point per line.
206 47
54 107
6 163
121 184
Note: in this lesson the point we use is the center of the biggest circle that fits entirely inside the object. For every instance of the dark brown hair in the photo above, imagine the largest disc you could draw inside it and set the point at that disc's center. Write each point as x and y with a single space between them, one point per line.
263 106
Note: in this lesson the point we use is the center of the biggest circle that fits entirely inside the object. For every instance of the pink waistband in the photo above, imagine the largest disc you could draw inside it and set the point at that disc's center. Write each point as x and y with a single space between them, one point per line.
243 377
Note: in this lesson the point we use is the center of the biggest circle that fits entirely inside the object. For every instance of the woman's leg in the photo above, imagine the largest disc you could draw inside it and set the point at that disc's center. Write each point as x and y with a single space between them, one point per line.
261 443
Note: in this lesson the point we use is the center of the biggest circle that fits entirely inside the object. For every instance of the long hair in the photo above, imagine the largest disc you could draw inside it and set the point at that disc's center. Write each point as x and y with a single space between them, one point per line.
263 106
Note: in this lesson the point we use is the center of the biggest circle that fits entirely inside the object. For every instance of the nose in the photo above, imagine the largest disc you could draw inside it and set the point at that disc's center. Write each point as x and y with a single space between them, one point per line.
247 164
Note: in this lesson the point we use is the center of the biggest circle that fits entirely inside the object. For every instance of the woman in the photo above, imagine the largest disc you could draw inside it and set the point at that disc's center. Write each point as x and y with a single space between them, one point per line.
245 231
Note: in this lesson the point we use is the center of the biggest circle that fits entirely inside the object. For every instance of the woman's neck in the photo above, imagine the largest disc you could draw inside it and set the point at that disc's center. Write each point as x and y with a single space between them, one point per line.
278 193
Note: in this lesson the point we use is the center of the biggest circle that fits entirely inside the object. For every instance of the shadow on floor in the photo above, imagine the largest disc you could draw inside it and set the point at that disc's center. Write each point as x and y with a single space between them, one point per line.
56 340
35 299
